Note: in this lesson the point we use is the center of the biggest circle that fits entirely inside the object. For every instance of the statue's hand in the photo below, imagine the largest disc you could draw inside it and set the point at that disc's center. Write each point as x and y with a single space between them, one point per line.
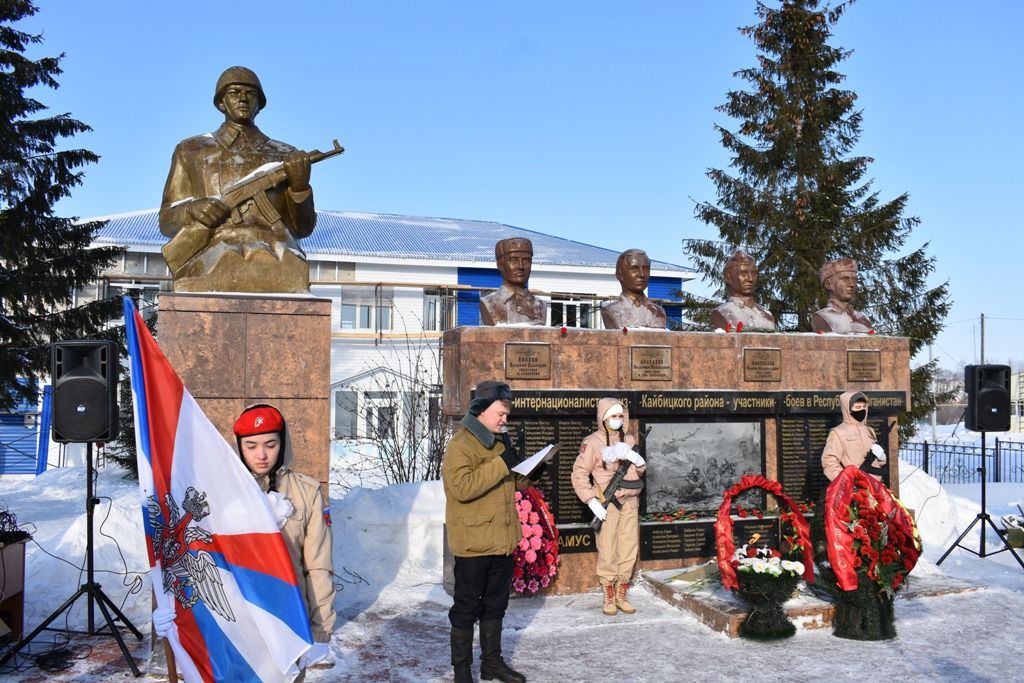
297 167
209 211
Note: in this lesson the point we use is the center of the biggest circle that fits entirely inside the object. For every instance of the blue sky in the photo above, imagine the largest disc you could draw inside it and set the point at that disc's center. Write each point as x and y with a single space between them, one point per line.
587 120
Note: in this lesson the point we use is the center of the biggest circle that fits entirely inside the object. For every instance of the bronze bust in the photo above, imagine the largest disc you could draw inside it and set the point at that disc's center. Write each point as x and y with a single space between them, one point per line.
839 278
632 308
512 303
236 202
740 308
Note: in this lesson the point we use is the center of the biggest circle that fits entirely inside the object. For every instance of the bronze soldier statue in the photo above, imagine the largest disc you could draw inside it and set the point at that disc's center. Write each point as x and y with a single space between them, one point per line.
512 303
839 278
236 202
632 308
740 307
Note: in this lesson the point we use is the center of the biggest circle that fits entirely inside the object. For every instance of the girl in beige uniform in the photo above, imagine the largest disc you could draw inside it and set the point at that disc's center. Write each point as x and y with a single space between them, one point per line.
618 541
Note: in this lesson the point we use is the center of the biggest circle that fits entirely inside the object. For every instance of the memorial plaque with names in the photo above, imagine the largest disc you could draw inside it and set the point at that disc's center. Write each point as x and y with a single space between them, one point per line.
531 434
762 365
677 540
801 440
527 361
650 363
863 365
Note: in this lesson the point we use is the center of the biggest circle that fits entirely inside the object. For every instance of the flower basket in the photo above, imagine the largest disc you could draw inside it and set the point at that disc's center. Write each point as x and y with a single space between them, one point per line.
536 559
760 576
870 545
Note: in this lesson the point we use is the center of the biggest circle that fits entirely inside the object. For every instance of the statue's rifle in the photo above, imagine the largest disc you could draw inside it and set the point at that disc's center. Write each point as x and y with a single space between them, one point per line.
255 185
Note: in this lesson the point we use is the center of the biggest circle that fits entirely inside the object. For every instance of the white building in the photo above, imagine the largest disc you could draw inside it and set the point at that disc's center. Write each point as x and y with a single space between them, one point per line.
396 283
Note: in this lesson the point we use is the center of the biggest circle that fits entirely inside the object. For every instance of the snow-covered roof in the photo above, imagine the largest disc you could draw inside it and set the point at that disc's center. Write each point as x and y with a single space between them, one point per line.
390 236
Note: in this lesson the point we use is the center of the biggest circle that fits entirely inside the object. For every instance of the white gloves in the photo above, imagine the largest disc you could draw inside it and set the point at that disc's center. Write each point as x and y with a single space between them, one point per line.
634 458
599 511
619 451
163 620
879 452
281 507
317 653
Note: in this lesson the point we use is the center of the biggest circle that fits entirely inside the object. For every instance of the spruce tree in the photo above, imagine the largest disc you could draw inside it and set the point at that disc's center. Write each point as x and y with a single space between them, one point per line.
43 257
798 196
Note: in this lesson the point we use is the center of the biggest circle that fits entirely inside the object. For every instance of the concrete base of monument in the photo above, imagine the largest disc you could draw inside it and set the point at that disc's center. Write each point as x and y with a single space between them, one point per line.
700 593
697 590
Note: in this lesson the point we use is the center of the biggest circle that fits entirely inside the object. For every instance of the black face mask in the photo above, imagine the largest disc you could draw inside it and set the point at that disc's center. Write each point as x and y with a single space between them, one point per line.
858 415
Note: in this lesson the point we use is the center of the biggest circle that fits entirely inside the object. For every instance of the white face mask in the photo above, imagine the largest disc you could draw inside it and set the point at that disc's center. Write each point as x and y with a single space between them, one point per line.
614 423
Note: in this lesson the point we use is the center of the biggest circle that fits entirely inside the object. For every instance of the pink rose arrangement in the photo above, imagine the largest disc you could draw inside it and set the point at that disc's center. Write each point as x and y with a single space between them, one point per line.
536 558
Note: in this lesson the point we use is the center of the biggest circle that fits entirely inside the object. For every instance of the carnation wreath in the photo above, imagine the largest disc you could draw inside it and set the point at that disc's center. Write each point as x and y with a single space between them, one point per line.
761 576
868 530
867 544
536 558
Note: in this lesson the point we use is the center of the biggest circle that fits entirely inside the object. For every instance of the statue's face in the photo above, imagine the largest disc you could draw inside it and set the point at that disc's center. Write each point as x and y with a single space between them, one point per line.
515 267
240 103
843 286
741 280
634 273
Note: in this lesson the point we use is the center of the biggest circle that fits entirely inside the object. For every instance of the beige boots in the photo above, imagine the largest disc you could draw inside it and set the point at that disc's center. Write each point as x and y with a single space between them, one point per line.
615 599
609 599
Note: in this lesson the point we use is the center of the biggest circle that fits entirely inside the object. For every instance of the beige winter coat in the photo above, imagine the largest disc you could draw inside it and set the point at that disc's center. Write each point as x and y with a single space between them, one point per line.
590 473
480 494
848 443
309 541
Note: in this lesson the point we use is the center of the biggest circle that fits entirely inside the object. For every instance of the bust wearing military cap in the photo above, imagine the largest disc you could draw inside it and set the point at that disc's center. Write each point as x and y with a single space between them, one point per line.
632 308
740 307
512 303
251 247
839 278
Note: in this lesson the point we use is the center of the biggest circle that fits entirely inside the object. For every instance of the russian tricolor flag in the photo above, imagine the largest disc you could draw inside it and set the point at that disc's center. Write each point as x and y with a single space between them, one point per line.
215 552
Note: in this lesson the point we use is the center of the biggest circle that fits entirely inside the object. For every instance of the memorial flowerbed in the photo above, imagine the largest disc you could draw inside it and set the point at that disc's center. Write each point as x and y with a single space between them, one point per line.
764 577
870 545
536 559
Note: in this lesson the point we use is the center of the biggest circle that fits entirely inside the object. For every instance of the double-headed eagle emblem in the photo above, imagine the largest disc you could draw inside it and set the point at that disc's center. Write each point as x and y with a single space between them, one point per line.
190 573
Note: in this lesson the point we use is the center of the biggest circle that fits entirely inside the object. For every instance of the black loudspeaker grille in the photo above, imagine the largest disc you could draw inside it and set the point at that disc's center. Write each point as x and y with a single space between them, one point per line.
84 391
988 398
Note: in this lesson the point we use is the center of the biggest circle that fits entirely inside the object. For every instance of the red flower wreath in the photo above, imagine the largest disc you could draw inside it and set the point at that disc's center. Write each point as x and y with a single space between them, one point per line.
724 545
536 558
868 530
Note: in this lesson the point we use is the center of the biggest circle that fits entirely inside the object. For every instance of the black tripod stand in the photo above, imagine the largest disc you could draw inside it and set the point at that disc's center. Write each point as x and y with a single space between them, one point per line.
984 518
94 594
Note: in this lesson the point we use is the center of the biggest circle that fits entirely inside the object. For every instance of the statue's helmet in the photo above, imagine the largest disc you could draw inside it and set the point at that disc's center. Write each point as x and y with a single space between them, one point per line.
235 75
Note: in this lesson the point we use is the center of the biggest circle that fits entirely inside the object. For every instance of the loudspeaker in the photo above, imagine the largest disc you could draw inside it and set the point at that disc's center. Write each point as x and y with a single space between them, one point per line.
84 375
988 398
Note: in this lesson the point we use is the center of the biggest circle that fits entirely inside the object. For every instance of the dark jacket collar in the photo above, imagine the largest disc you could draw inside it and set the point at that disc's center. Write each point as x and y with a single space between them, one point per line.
477 429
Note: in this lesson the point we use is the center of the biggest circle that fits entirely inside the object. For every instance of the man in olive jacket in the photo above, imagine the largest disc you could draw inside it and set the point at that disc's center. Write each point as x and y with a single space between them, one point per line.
483 530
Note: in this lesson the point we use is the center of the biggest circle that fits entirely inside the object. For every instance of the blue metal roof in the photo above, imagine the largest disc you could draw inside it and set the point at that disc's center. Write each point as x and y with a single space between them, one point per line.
381 235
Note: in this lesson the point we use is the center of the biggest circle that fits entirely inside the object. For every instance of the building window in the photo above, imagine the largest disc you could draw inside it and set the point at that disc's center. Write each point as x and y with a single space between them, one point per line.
574 310
438 310
366 308
346 414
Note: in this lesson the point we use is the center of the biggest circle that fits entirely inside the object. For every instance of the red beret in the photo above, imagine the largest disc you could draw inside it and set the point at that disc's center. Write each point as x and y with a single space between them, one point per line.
259 420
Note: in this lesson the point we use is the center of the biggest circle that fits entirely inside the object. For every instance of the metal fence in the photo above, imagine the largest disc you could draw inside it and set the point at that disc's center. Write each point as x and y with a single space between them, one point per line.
960 464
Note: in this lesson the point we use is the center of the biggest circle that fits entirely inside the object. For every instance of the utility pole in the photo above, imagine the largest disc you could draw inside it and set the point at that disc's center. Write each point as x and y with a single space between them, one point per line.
935 410
982 339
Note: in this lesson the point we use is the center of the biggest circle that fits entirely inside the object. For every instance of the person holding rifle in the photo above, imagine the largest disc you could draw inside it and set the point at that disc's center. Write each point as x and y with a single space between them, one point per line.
602 455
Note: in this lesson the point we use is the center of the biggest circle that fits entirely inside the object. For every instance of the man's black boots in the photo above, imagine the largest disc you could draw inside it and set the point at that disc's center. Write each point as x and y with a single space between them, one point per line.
491 664
462 654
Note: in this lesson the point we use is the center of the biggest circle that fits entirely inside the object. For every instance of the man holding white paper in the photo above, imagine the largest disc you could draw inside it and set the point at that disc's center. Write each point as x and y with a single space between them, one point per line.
483 529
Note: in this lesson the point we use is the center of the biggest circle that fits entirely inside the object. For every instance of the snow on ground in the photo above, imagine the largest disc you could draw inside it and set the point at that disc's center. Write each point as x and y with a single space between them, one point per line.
392 608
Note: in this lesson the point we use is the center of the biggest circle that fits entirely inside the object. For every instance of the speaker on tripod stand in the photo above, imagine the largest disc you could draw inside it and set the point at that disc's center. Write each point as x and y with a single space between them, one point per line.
988 409
84 374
